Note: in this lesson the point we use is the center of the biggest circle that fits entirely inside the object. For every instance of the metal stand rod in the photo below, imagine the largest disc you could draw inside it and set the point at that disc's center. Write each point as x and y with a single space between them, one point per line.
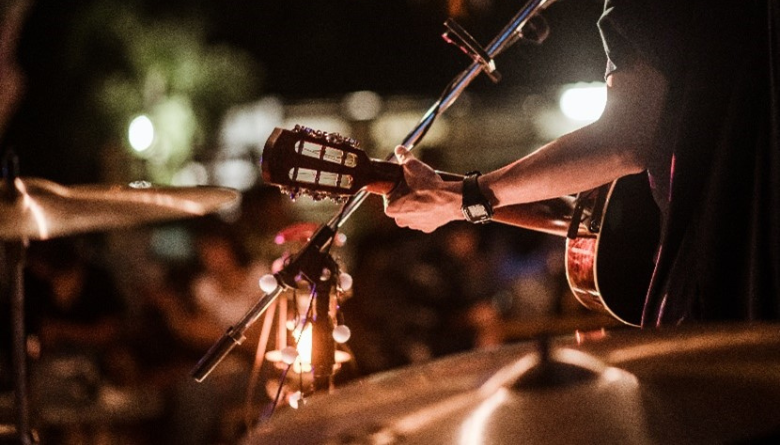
322 239
323 350
502 41
15 258
14 252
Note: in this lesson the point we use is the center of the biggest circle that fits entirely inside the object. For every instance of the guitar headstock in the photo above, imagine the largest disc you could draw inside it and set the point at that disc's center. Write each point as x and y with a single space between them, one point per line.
314 163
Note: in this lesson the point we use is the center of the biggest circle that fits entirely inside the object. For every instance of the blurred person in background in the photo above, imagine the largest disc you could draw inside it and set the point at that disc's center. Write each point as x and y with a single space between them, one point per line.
198 309
77 339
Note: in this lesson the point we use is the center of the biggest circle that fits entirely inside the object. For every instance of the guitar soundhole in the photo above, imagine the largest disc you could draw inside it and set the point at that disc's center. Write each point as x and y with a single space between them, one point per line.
327 154
328 179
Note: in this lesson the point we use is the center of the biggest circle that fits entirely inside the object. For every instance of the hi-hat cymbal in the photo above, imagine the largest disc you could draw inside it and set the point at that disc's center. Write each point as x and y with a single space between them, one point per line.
693 385
39 209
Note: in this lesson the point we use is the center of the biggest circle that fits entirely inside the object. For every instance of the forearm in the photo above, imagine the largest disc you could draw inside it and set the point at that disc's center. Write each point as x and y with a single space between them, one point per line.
618 144
578 161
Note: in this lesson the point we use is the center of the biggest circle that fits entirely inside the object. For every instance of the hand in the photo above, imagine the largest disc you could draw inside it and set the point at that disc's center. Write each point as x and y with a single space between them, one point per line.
423 201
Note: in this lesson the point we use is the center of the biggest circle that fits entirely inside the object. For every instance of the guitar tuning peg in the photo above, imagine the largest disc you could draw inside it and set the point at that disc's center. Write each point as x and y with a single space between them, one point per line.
286 191
292 193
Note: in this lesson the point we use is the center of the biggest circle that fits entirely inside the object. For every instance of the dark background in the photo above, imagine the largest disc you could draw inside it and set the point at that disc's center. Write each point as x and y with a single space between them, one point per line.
303 50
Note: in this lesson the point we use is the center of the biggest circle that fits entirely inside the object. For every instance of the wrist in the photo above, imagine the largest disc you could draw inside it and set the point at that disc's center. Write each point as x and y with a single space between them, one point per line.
476 207
487 191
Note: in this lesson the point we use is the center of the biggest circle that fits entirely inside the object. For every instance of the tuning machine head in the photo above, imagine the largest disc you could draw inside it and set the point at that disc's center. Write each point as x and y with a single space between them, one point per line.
296 192
291 192
320 196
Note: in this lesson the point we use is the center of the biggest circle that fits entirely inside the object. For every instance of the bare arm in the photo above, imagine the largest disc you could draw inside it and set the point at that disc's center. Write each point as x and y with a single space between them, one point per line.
618 144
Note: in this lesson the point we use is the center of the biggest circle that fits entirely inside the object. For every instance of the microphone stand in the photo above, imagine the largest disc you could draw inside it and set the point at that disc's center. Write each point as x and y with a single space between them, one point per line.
309 261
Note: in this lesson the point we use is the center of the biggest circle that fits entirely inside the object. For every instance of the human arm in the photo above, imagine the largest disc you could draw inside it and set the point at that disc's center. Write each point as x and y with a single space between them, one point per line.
618 144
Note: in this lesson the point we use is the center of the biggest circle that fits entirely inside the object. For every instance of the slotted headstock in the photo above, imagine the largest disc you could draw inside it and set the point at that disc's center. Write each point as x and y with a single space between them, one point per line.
322 165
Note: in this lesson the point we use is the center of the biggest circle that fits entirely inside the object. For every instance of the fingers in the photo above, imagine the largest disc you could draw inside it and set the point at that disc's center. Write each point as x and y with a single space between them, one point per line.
406 203
412 166
415 224
402 155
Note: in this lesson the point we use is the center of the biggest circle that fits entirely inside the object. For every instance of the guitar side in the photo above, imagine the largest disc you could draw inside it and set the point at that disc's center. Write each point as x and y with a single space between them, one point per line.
609 269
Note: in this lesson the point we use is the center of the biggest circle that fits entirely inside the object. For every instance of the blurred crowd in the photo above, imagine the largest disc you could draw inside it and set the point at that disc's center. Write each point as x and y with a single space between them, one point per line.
117 320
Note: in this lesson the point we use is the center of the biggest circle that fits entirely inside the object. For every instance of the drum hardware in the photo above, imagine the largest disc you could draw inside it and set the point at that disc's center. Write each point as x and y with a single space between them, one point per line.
38 209
697 384
14 259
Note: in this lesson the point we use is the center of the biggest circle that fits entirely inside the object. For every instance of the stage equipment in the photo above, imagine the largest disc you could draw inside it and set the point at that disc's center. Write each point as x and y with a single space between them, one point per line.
38 209
698 384
309 325
611 232
309 262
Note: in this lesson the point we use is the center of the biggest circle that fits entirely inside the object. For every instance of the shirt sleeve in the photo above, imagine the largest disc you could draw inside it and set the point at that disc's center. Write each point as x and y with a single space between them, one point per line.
654 30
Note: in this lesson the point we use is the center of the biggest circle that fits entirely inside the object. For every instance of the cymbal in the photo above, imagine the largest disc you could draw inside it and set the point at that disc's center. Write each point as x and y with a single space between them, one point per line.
693 385
41 209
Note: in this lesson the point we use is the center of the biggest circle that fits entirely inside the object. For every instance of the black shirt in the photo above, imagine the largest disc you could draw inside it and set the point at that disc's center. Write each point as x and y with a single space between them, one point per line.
716 173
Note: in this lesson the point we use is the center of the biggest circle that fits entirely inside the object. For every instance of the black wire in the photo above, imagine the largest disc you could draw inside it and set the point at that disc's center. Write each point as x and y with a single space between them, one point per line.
271 406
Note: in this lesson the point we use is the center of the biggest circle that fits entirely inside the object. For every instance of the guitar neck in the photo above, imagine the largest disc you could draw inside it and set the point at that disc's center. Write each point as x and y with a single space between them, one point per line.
385 176
549 216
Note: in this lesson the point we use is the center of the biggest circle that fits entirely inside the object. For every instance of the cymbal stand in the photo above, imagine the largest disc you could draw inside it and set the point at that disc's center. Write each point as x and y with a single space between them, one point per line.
14 264
320 242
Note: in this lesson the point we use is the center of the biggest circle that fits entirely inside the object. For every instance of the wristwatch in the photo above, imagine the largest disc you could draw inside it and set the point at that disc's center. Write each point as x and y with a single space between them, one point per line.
475 206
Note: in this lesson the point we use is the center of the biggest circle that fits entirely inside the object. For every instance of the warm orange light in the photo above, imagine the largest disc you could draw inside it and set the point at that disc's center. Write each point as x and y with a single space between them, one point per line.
303 362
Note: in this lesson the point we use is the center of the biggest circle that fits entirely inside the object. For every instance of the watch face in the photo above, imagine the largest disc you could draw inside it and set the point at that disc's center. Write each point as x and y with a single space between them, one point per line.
477 212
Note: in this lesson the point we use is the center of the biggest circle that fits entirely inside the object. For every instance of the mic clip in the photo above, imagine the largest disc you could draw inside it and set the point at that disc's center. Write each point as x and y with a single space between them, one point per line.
459 37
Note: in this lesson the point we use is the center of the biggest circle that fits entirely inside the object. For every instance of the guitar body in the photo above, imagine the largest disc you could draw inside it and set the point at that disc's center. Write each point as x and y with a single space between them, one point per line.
609 267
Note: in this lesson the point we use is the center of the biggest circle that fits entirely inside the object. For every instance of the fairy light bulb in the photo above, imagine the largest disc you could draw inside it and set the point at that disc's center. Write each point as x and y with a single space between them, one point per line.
296 400
268 283
277 265
345 281
289 355
341 334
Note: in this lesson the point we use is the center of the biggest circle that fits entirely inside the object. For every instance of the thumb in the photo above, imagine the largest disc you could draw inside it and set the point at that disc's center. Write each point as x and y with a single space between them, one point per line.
402 155
409 161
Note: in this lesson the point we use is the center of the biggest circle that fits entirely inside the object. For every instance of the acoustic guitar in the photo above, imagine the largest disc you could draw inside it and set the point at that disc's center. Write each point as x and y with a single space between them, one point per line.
609 254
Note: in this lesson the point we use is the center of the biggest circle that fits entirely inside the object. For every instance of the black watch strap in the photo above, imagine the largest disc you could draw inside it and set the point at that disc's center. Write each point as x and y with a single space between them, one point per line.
475 206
